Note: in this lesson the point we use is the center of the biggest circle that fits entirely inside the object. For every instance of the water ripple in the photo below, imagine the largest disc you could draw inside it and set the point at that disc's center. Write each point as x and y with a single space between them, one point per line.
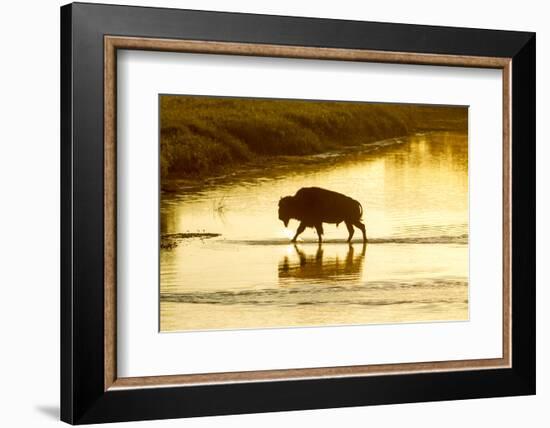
369 294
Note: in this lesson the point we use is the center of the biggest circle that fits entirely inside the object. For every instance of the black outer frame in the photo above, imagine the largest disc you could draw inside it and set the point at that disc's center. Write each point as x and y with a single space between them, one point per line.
83 399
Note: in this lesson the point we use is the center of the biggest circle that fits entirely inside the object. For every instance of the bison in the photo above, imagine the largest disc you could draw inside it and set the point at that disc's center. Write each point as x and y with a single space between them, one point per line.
313 206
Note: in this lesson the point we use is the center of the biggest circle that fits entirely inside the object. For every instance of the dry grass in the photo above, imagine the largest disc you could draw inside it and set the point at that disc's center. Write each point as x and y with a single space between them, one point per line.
201 136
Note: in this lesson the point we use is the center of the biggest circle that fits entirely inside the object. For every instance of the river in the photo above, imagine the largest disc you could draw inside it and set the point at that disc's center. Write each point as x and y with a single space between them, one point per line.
414 192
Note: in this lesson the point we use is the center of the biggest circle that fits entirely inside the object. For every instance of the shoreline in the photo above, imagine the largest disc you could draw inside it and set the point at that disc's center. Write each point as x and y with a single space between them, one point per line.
281 165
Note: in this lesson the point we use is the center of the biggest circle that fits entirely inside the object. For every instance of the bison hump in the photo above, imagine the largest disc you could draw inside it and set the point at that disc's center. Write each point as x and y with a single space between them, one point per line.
320 193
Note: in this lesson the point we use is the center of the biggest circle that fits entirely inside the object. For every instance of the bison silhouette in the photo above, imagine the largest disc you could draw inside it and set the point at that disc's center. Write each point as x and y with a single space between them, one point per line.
313 206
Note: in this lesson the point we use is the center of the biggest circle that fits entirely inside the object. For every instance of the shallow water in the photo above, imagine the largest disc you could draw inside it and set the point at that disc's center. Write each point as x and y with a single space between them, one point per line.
414 192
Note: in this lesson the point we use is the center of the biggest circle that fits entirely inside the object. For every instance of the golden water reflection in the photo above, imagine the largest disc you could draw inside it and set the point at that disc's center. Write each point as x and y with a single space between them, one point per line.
414 192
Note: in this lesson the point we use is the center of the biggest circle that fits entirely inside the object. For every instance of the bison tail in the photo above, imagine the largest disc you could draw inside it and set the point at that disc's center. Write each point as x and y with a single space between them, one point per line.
360 210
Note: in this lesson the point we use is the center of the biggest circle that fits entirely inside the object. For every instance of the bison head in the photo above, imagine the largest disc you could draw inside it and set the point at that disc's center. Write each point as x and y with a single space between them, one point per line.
285 209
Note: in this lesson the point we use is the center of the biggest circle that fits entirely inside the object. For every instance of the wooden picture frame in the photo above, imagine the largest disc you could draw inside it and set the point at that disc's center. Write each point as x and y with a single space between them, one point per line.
91 391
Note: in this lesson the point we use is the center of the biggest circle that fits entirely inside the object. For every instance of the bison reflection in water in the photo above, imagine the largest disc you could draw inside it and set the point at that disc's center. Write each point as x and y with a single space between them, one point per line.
315 266
313 206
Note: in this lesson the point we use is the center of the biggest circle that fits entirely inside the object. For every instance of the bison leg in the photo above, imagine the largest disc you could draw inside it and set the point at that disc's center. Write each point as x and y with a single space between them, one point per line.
362 228
301 228
319 229
350 230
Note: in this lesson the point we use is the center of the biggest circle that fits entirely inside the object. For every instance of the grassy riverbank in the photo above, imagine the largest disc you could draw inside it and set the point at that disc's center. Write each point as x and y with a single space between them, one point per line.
202 136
